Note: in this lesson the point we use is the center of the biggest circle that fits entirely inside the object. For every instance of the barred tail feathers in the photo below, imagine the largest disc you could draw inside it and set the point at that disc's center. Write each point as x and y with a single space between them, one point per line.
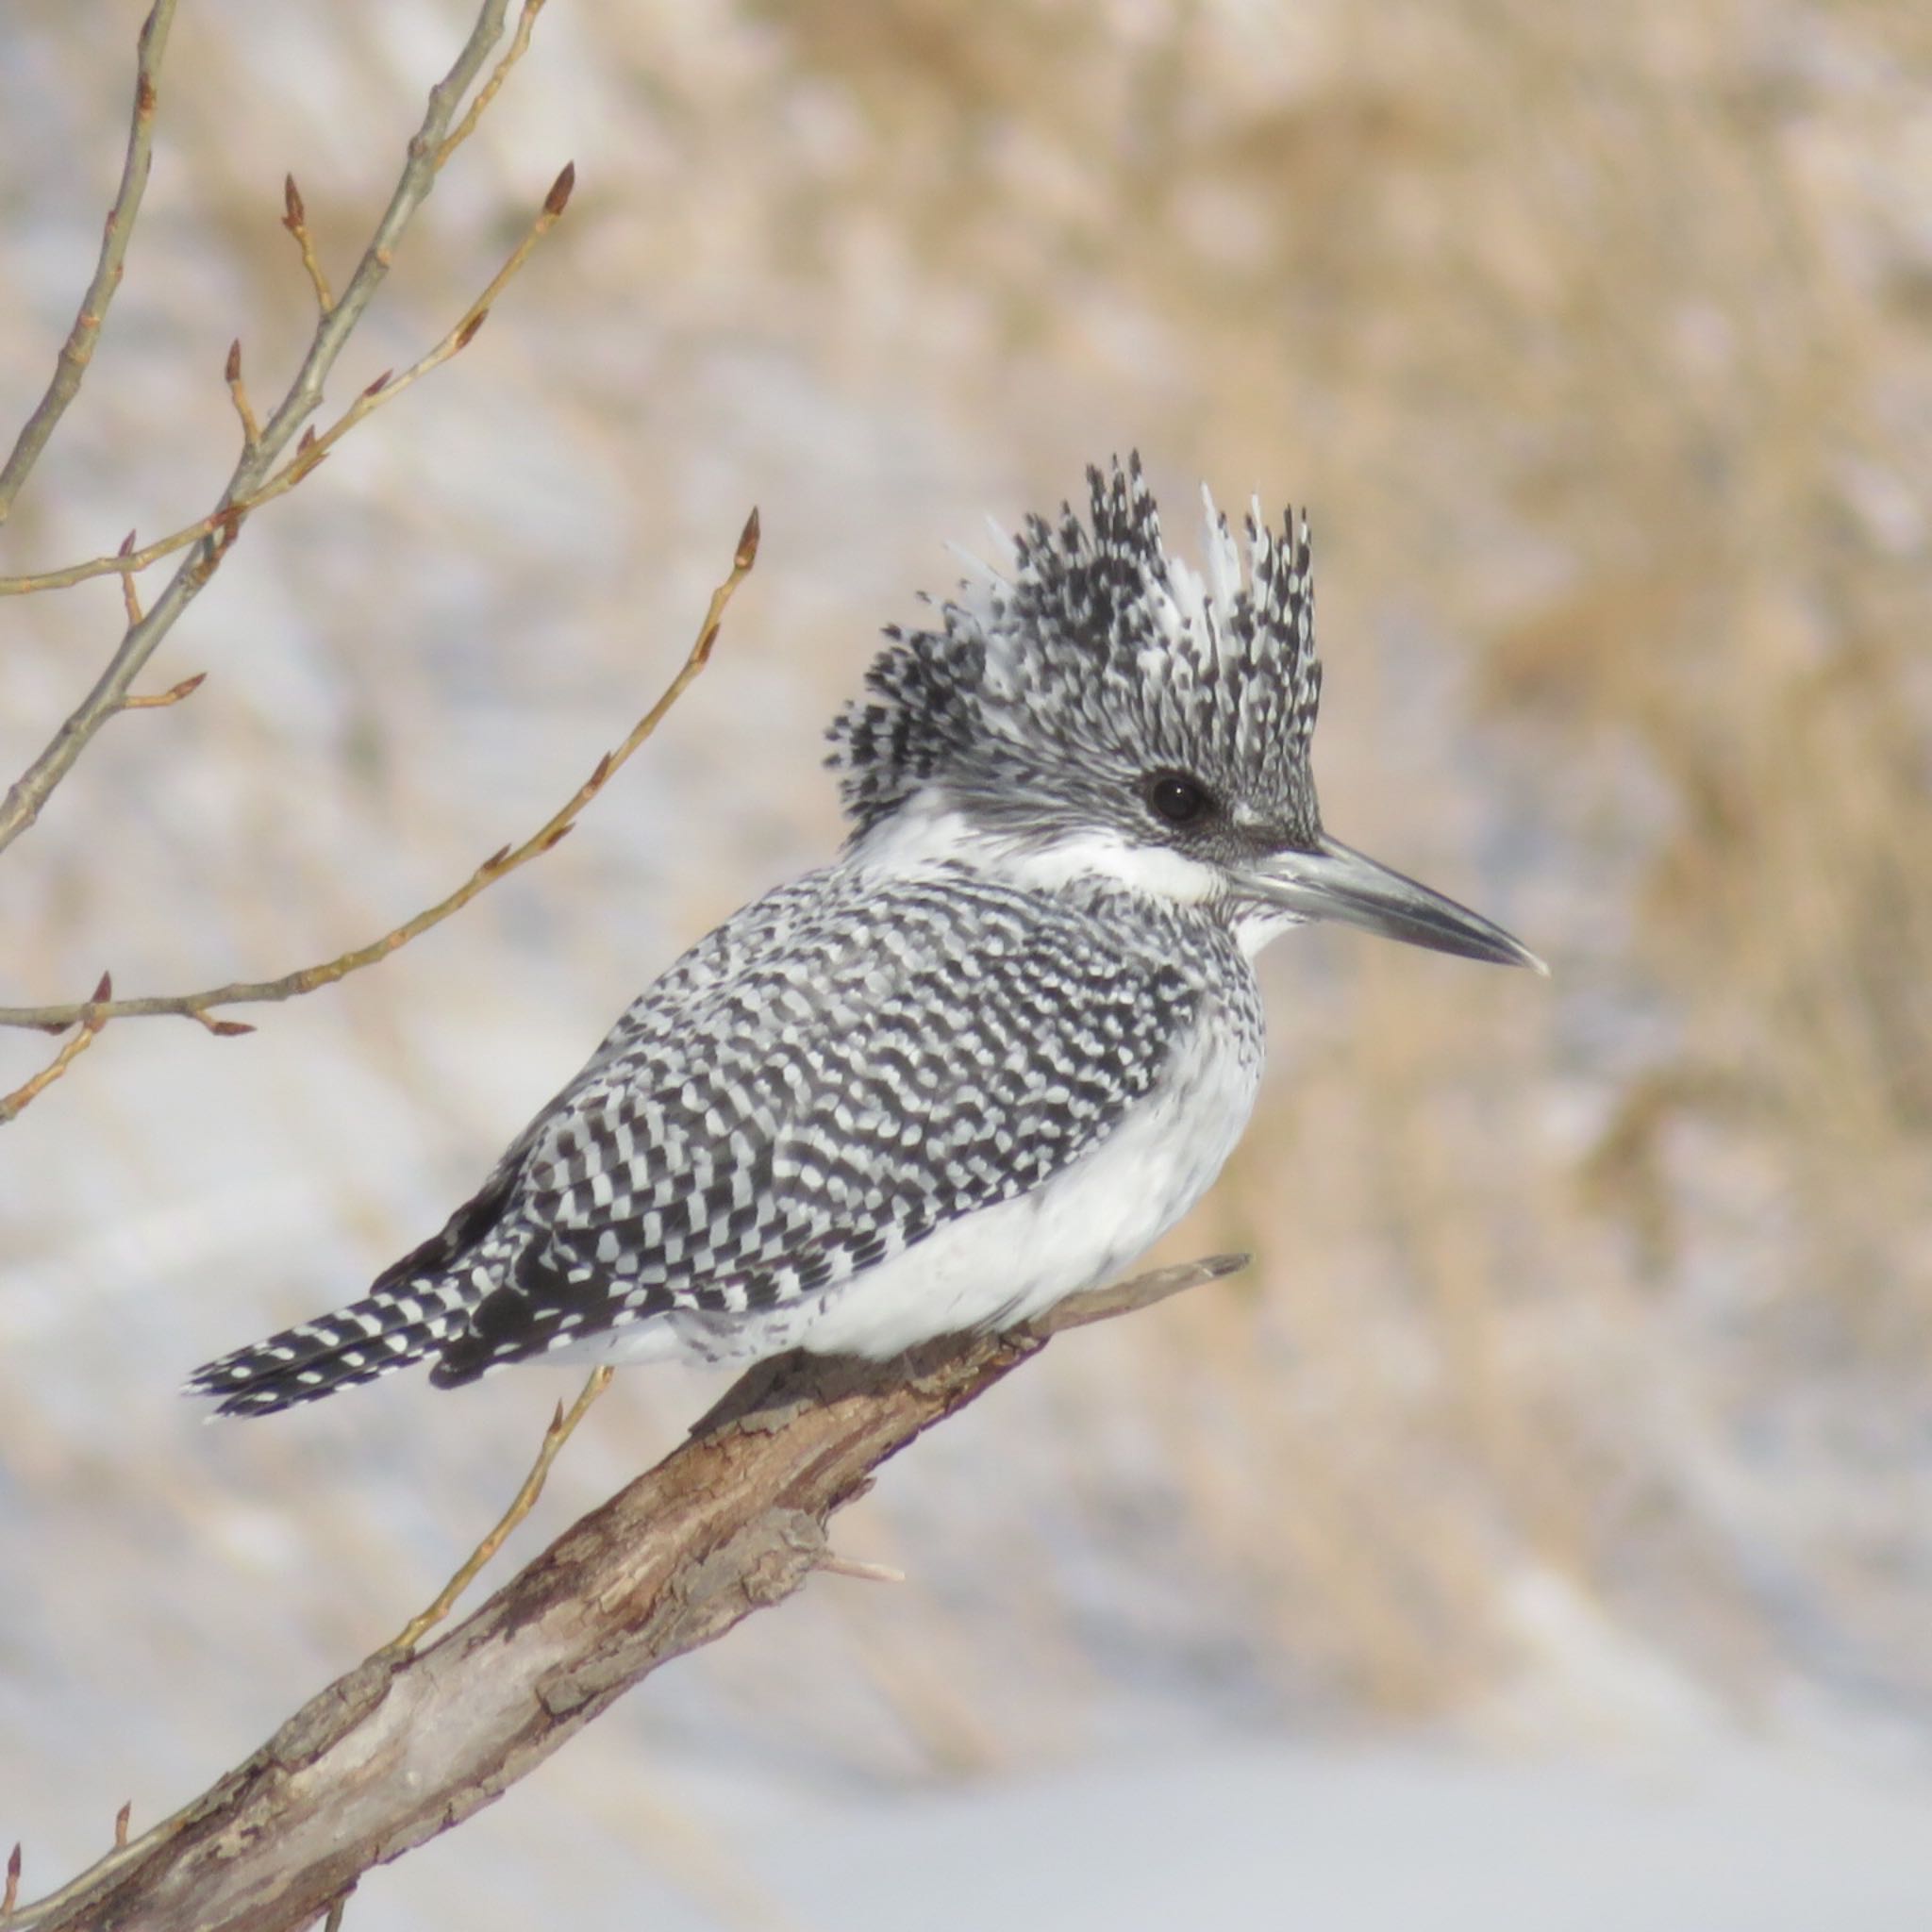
385 1330
415 1305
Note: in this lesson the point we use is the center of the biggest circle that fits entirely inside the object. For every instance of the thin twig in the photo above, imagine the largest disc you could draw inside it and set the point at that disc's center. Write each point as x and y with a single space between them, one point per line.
31 791
237 391
77 350
562 1427
10 1895
92 1020
833 1564
196 1006
130 592
519 42
333 1921
155 701
123 1818
295 219
312 448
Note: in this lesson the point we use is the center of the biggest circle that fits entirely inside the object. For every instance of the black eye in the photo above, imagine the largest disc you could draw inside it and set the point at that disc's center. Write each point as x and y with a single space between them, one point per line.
1179 799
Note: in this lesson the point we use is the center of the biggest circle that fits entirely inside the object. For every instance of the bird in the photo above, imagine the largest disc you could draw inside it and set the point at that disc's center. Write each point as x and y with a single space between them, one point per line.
983 1058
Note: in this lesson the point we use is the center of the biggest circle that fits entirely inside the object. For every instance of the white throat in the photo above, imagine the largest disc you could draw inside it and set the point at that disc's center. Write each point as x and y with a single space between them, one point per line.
925 832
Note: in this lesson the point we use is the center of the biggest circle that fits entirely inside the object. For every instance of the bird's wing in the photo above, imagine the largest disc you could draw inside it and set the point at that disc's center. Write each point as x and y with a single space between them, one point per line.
846 1065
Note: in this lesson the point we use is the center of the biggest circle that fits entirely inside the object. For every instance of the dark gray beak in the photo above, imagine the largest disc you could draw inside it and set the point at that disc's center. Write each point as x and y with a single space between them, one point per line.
1335 882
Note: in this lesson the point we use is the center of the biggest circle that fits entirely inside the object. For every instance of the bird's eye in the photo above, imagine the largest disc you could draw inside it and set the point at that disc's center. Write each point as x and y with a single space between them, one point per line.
1179 799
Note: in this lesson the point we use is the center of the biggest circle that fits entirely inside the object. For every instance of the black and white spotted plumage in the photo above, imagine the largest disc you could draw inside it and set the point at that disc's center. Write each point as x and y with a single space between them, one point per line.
970 1068
805 1096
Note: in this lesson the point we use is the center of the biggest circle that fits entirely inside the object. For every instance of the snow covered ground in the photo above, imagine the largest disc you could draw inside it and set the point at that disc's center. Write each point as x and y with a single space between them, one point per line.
1258 1835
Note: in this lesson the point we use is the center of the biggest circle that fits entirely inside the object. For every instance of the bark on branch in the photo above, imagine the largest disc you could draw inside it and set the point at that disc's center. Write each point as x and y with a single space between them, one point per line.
404 1746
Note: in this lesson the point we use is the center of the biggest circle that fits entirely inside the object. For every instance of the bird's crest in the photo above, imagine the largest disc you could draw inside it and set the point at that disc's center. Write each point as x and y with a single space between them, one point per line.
1095 644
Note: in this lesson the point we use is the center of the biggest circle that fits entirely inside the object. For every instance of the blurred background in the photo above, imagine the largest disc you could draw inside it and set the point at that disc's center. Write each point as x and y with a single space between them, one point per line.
1543 1531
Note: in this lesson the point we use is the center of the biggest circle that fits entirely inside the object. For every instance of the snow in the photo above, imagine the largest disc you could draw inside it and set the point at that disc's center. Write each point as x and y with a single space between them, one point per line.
1258 1835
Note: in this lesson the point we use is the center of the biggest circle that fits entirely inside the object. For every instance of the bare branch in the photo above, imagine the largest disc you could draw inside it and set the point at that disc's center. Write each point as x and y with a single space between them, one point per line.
25 799
519 41
295 219
92 1019
77 350
174 694
402 1748
130 592
562 1425
238 392
312 448
833 1564
498 865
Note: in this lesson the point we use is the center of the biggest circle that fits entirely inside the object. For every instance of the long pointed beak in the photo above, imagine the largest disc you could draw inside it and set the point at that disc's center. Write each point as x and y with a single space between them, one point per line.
1335 882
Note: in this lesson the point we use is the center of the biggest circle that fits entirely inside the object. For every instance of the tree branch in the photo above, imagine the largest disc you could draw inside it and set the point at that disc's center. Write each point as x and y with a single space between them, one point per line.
92 1014
562 1425
311 449
402 1748
77 350
519 44
22 1096
31 791
295 219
